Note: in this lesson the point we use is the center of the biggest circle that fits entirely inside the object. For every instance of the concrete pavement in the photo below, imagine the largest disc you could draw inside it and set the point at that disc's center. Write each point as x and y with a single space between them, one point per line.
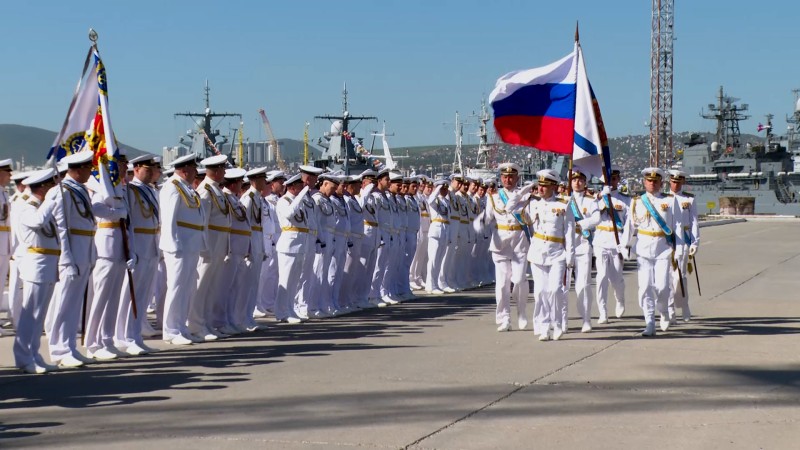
434 373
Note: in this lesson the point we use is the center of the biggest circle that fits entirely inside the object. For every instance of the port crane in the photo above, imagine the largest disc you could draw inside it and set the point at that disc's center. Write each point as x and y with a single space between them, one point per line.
272 141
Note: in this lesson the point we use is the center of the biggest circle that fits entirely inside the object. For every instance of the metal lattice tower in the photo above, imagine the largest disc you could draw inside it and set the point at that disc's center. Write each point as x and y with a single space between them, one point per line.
661 39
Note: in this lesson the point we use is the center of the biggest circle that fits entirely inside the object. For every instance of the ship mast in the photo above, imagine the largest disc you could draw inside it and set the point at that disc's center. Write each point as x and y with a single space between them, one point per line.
345 118
459 131
204 124
484 148
728 115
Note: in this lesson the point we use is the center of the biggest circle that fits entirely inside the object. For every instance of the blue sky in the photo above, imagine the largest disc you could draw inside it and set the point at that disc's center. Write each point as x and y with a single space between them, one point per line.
412 63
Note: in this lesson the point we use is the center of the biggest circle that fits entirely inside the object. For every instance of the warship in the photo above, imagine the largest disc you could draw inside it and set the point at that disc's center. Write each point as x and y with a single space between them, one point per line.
341 149
729 178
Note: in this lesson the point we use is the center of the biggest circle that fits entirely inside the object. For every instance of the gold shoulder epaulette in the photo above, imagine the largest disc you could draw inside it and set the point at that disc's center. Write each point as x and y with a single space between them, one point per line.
668 194
563 200
25 197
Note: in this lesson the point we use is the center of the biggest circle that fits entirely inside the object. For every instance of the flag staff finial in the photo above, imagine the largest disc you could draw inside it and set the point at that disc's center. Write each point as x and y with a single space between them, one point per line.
93 37
577 38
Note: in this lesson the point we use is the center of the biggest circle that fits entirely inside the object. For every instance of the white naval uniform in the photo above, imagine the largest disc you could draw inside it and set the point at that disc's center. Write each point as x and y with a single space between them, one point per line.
447 275
419 264
654 253
231 307
552 245
268 281
5 247
412 232
350 286
292 248
306 298
210 266
321 303
18 200
109 270
582 265
38 269
509 246
394 268
76 230
438 240
254 205
608 259
688 235
144 223
183 237
384 215
341 242
463 268
368 255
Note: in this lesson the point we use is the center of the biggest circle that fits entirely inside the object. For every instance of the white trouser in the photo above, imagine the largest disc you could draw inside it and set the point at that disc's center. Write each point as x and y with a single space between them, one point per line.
381 260
448 259
436 251
209 280
551 298
246 290
66 312
14 292
348 291
609 271
30 322
268 284
321 300
159 290
181 288
304 298
289 281
419 265
462 267
653 286
678 298
129 328
232 311
367 258
107 285
583 276
410 249
225 295
388 285
511 269
336 270
5 302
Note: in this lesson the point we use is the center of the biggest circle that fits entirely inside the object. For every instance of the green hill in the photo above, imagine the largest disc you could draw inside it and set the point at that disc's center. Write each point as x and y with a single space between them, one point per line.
32 144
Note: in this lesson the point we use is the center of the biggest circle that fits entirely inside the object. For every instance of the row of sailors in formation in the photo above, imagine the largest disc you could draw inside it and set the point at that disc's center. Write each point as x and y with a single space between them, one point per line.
566 231
211 256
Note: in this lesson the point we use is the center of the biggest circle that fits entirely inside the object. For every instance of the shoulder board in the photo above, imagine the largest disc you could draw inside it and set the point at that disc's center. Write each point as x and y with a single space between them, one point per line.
668 194
25 196
635 197
252 195
33 203
687 194
563 200
208 188
535 198
287 199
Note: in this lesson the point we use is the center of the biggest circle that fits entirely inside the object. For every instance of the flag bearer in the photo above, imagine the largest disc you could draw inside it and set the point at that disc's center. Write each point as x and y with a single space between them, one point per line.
688 239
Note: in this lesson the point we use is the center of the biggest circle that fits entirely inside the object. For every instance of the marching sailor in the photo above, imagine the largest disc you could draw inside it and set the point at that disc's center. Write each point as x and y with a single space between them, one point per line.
552 249
509 245
688 239
653 219
582 205
292 249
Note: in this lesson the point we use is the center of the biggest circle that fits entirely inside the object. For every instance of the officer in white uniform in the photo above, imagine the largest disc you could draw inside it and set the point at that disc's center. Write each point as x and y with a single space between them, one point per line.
268 285
582 205
308 294
38 269
341 243
654 220
608 259
687 241
254 205
20 197
5 232
350 285
144 217
419 264
385 222
109 271
76 230
447 276
551 251
209 270
183 237
505 216
411 185
292 250
368 255
438 236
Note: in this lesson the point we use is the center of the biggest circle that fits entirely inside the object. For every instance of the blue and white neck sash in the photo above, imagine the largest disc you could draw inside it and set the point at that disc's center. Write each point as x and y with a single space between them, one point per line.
657 217
573 206
612 213
517 216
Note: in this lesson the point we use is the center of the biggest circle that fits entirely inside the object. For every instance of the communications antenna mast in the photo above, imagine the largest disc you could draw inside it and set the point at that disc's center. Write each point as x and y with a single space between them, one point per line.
661 40
305 143
457 166
203 122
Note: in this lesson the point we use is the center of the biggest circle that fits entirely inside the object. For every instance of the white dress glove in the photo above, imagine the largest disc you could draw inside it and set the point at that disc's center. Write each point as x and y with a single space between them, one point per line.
605 191
131 263
692 249
71 271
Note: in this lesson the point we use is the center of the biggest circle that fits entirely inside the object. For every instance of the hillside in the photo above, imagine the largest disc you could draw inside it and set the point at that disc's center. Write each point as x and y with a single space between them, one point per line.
18 141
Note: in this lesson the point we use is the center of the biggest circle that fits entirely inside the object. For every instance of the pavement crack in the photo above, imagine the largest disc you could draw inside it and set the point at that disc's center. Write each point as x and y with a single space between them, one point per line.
753 277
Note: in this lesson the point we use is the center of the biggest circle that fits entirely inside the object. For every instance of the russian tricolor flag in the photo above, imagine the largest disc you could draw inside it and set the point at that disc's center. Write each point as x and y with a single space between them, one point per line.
553 108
